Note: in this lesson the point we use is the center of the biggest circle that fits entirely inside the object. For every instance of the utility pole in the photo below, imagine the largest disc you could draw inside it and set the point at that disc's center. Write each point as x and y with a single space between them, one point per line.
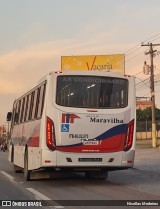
152 53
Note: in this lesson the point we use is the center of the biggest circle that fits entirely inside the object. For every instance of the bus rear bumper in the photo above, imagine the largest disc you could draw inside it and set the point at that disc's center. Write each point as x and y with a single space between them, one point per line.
117 159
128 158
112 161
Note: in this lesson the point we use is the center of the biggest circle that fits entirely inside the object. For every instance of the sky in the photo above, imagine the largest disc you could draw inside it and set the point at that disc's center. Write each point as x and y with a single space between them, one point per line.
34 34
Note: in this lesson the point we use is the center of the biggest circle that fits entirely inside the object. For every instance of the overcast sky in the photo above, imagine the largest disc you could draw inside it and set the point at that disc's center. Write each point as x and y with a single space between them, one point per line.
34 34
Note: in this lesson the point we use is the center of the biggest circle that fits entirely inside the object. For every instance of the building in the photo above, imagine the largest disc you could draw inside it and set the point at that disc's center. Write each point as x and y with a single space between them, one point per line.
2 134
143 102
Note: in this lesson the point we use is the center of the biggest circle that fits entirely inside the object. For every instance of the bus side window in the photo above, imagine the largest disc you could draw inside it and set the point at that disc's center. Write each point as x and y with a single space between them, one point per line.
28 107
37 103
34 104
25 108
22 110
16 117
41 101
31 106
13 114
44 92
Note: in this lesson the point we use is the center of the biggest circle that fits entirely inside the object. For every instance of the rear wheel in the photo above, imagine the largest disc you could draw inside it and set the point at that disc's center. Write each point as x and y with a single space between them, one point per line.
12 154
101 174
27 173
17 169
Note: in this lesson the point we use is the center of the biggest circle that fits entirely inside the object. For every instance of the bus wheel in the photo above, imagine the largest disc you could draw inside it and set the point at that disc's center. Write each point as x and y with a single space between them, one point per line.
96 174
17 169
27 173
12 154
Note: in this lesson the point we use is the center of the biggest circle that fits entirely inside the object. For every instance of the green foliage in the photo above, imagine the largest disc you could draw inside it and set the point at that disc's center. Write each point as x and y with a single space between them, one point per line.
157 114
146 114
139 114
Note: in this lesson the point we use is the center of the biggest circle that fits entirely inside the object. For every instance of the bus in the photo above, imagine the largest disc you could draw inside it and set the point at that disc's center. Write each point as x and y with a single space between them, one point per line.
74 121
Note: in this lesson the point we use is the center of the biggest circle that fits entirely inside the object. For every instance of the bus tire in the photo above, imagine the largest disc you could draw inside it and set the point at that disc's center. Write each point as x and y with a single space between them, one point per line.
27 173
12 154
17 169
102 175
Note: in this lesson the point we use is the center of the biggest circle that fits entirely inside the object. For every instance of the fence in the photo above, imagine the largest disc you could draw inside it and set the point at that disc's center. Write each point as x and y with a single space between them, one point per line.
144 129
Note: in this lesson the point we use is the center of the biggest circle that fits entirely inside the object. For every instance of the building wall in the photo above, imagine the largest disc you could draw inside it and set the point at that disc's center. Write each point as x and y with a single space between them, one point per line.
143 104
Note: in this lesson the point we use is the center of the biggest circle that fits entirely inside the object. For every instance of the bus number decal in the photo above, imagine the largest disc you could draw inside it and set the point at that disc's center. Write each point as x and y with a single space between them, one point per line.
68 118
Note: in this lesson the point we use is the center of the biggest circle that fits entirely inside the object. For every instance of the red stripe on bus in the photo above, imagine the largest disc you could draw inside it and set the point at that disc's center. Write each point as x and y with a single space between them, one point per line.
112 144
33 142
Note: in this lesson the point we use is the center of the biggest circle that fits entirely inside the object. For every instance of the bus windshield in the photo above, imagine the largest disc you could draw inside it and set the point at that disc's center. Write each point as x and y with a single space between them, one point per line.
92 92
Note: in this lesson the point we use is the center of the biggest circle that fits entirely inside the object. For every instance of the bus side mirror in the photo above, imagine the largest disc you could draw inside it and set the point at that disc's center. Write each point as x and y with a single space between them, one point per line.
9 116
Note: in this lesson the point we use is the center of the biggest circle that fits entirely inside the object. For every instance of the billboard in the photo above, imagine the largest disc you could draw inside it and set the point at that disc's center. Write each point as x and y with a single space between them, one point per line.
115 62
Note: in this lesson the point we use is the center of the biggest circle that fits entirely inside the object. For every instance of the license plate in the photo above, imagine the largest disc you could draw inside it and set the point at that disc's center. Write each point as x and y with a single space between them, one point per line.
90 159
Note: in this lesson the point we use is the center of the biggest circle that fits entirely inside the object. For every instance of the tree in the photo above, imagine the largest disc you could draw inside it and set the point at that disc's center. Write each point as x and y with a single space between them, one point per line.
139 114
157 114
146 114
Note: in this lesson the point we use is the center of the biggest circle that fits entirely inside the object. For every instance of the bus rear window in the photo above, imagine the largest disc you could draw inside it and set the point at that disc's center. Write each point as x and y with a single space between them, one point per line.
92 92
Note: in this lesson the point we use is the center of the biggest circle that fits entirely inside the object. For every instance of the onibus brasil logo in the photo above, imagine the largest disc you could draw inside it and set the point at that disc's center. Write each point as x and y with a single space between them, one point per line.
67 119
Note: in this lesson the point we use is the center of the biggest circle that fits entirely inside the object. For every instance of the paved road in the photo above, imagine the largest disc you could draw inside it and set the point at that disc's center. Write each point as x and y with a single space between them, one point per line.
146 173
140 183
10 189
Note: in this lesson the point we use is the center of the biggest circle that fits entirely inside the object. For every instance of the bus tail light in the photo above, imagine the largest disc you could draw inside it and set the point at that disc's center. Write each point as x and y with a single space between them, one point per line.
129 136
50 134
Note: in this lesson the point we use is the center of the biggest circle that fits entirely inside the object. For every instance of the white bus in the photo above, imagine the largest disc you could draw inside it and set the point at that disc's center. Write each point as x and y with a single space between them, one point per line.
75 120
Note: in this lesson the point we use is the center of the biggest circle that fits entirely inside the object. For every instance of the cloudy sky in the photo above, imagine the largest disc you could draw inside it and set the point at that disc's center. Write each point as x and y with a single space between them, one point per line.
34 34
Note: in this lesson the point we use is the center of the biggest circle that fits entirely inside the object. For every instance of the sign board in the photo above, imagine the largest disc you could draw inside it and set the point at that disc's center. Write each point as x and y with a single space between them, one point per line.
114 62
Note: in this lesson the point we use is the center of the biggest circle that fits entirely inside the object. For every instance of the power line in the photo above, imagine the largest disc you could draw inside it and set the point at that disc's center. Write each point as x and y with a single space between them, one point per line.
155 39
141 86
135 48
142 81
142 42
133 57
